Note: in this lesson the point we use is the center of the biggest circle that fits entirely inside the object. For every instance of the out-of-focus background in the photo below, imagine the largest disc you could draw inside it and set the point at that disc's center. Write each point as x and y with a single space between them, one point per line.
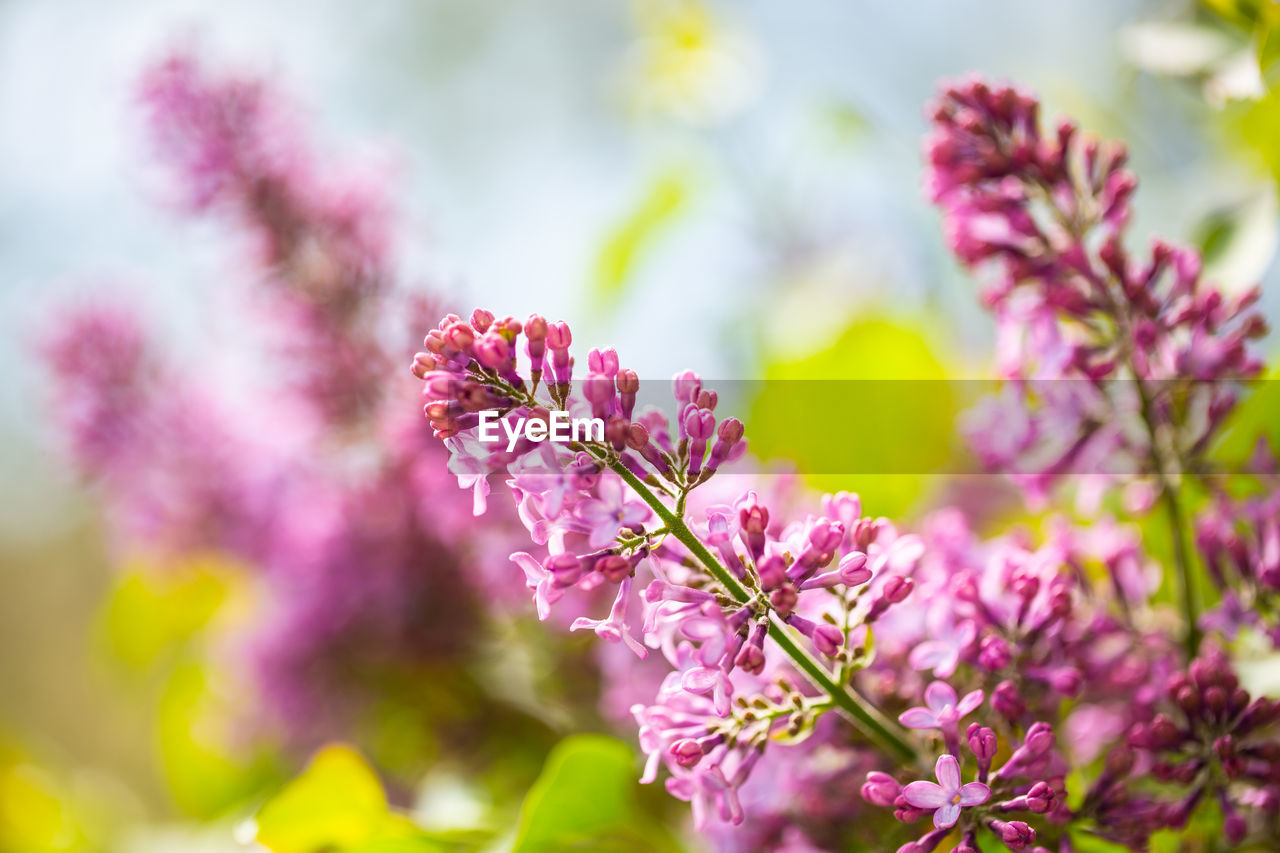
731 186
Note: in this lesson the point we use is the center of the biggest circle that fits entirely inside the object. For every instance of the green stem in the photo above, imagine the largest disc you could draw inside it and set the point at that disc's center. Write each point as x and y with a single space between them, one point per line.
1181 558
1177 525
868 720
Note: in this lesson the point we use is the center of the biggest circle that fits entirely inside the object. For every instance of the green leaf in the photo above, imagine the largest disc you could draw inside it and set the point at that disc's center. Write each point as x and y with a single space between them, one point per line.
336 804
1257 415
1242 12
152 610
639 231
585 800
206 775
873 413
1087 842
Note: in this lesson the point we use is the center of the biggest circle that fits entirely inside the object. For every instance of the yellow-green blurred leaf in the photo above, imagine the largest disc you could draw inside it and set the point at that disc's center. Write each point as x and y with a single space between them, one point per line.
639 231
1242 12
34 815
1257 415
152 610
871 413
205 772
336 804
584 800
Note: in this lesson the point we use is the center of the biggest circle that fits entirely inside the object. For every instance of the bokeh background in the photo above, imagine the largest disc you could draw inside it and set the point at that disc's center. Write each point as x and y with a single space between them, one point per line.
731 186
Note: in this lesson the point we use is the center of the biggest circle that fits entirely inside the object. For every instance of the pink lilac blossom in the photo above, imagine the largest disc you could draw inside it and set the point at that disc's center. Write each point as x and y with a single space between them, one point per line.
1061 633
352 527
947 796
1119 366
818 577
234 146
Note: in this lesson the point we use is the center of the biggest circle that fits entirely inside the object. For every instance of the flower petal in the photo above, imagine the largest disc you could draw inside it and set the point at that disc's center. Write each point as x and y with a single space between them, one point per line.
948 772
928 654
925 795
970 702
946 815
974 794
700 680
533 571
939 695
918 718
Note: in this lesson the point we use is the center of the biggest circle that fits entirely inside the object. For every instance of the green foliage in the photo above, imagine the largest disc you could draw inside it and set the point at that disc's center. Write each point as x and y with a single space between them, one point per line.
337 805
205 774
1258 414
35 813
639 231
585 799
1087 842
880 415
152 611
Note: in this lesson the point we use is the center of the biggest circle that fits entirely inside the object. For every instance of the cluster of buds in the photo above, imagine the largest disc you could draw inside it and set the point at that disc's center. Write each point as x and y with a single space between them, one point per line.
1215 741
472 366
1144 343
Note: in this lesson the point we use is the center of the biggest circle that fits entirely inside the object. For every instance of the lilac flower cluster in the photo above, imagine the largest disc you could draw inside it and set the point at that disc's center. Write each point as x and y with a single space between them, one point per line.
321 239
965 678
707 584
1122 366
1212 742
323 484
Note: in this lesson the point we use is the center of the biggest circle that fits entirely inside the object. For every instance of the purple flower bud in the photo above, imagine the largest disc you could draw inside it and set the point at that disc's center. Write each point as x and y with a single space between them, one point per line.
728 435
481 320
995 653
1007 701
614 567
826 638
460 336
982 741
894 591
603 361
751 656
687 752
535 330
773 572
880 789
687 386
1039 740
565 569
783 599
754 521
1016 834
558 336
1235 827
628 386
699 425
853 569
